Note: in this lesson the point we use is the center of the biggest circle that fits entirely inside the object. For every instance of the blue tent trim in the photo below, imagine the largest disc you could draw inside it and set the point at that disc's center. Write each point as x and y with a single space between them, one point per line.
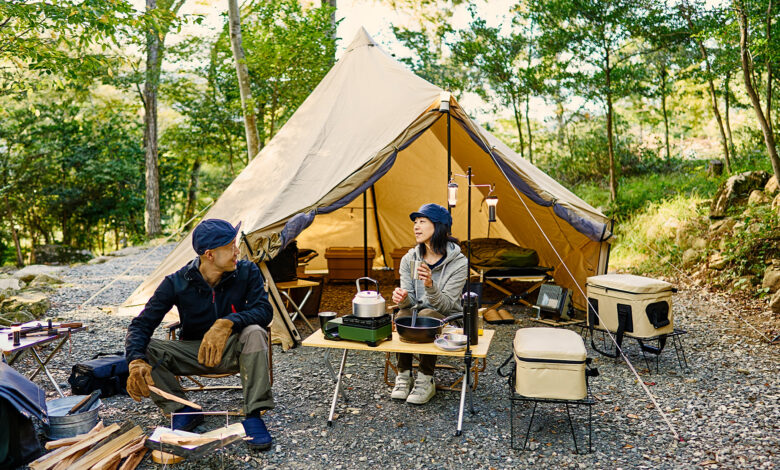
593 230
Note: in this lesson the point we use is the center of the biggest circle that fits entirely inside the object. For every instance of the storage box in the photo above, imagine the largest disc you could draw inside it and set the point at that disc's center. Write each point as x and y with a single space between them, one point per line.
346 263
550 363
397 254
645 303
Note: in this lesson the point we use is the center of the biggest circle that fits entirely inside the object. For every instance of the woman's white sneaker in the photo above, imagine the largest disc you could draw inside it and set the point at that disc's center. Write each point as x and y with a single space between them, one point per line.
403 384
424 389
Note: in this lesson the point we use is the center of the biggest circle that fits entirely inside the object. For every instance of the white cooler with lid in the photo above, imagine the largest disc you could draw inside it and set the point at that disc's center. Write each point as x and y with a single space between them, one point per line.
550 363
646 304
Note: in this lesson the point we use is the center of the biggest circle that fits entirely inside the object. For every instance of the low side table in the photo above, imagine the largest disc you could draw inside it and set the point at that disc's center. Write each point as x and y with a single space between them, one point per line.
395 345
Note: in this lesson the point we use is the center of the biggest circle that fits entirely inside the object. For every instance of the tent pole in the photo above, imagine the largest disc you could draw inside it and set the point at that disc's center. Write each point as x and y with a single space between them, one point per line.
365 235
376 222
449 157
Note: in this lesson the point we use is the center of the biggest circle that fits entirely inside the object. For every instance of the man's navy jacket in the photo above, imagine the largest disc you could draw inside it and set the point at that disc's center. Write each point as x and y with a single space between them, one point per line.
239 297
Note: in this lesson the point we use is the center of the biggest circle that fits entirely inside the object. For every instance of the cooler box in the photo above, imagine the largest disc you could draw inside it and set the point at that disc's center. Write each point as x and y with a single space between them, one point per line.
550 363
346 263
645 303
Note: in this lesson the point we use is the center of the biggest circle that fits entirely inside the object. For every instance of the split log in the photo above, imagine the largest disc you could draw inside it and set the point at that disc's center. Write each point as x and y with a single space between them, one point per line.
67 441
169 396
53 460
133 460
104 455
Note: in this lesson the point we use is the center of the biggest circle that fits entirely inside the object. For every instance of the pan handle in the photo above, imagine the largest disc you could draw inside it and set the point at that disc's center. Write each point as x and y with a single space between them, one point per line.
451 317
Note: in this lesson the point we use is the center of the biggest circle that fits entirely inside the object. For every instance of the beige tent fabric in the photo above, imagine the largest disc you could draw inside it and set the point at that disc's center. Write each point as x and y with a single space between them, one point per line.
360 116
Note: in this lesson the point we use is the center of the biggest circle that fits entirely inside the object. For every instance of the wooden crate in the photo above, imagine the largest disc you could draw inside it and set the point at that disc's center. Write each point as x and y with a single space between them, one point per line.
397 254
345 263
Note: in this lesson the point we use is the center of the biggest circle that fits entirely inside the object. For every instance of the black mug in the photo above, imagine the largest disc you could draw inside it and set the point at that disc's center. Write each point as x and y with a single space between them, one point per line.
325 317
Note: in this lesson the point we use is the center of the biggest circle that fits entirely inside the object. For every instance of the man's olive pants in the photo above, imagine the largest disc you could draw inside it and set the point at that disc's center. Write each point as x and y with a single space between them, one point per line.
245 352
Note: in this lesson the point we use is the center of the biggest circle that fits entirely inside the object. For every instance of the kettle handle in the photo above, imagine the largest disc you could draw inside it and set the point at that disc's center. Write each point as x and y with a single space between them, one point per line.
357 283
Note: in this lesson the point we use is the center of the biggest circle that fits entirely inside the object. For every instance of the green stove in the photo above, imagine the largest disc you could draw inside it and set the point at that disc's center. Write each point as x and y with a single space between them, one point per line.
371 331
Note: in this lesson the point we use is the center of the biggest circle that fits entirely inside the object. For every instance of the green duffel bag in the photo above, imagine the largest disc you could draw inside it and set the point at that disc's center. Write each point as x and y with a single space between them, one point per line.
497 252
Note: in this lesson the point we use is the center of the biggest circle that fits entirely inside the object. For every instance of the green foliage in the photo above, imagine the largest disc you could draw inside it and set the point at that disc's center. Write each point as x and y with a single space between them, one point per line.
752 244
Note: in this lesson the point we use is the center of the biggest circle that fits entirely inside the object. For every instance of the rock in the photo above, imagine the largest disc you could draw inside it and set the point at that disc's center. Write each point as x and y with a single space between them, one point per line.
772 278
129 251
33 303
99 260
722 226
699 244
28 273
44 280
771 186
737 187
774 303
60 254
9 283
776 203
757 197
717 261
690 256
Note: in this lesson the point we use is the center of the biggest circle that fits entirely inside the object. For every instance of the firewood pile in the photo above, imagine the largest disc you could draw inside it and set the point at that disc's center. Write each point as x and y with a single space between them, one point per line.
118 446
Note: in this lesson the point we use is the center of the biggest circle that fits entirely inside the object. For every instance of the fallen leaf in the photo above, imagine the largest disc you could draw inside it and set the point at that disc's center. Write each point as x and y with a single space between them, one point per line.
632 416
628 446
708 462
649 384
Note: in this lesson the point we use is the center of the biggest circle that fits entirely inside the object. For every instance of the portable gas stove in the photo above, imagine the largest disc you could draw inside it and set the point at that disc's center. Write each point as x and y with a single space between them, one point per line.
371 331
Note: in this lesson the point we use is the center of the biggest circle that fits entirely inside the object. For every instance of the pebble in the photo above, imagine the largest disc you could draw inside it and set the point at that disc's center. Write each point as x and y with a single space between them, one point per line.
717 405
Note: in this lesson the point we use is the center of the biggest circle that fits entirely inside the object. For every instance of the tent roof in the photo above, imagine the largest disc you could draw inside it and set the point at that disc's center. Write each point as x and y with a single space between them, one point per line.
366 117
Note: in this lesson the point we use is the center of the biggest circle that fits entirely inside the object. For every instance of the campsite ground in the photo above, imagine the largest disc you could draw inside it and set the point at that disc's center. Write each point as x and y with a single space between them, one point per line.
726 407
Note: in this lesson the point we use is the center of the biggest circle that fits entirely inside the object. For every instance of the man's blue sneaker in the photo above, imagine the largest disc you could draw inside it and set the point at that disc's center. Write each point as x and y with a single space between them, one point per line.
259 437
187 422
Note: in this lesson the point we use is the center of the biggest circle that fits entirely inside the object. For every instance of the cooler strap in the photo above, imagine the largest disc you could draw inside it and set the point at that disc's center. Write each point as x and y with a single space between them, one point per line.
623 317
653 349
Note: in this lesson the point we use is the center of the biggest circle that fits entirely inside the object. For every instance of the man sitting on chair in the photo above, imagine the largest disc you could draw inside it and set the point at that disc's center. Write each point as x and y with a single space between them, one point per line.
224 312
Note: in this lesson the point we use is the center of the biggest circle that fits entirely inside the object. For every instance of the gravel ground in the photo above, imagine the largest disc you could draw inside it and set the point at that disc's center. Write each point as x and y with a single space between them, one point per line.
726 407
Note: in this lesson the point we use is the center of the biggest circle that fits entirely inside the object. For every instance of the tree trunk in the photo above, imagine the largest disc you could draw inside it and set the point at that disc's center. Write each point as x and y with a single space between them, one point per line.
665 113
528 128
518 125
334 34
747 67
152 209
247 104
727 92
713 96
192 193
610 137
769 66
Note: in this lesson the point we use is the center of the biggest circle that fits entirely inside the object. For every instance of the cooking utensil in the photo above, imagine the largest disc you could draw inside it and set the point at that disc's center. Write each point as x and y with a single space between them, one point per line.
368 303
425 330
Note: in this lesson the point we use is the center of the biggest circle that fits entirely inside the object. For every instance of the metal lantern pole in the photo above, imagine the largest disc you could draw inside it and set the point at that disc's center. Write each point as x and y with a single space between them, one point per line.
466 384
365 235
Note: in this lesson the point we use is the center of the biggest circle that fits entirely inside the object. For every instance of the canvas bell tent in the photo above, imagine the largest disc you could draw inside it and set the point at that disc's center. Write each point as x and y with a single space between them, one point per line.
373 126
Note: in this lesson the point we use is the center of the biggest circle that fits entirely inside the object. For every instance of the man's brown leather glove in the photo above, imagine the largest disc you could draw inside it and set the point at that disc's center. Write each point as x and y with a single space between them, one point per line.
210 352
139 380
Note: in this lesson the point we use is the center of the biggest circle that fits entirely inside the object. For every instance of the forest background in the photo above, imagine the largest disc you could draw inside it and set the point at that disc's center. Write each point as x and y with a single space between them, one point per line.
112 133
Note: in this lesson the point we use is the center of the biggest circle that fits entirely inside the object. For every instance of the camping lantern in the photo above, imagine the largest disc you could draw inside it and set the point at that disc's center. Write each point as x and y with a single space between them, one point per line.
444 104
452 194
491 201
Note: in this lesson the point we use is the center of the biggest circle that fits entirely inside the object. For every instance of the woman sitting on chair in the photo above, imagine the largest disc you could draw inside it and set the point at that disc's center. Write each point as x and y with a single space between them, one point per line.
434 289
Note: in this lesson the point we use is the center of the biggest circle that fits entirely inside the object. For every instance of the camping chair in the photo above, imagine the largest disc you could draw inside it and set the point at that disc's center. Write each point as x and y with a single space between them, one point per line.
535 275
172 335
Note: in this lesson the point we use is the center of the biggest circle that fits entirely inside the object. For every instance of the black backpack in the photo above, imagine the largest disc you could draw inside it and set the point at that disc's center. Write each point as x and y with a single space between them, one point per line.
106 372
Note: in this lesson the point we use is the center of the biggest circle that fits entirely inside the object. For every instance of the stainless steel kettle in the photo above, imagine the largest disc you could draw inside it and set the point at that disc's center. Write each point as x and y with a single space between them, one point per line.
368 303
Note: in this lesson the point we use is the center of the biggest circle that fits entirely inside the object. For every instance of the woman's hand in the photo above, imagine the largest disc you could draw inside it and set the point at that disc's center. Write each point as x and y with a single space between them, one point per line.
424 274
399 295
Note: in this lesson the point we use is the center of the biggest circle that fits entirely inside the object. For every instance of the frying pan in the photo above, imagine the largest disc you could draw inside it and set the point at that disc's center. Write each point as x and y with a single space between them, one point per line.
425 329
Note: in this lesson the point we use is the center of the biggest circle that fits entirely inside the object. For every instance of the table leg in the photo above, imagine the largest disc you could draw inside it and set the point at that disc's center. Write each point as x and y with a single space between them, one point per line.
333 374
338 387
297 310
48 374
50 356
464 386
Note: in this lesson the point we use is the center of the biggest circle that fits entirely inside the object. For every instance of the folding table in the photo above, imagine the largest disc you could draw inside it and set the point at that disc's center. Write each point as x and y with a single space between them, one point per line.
286 286
32 343
537 275
478 351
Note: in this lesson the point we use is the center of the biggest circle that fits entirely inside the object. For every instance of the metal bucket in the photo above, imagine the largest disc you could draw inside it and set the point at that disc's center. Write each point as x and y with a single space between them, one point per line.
61 426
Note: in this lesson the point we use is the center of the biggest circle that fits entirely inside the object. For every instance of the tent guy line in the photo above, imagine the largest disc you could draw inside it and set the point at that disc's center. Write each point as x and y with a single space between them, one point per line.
622 354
